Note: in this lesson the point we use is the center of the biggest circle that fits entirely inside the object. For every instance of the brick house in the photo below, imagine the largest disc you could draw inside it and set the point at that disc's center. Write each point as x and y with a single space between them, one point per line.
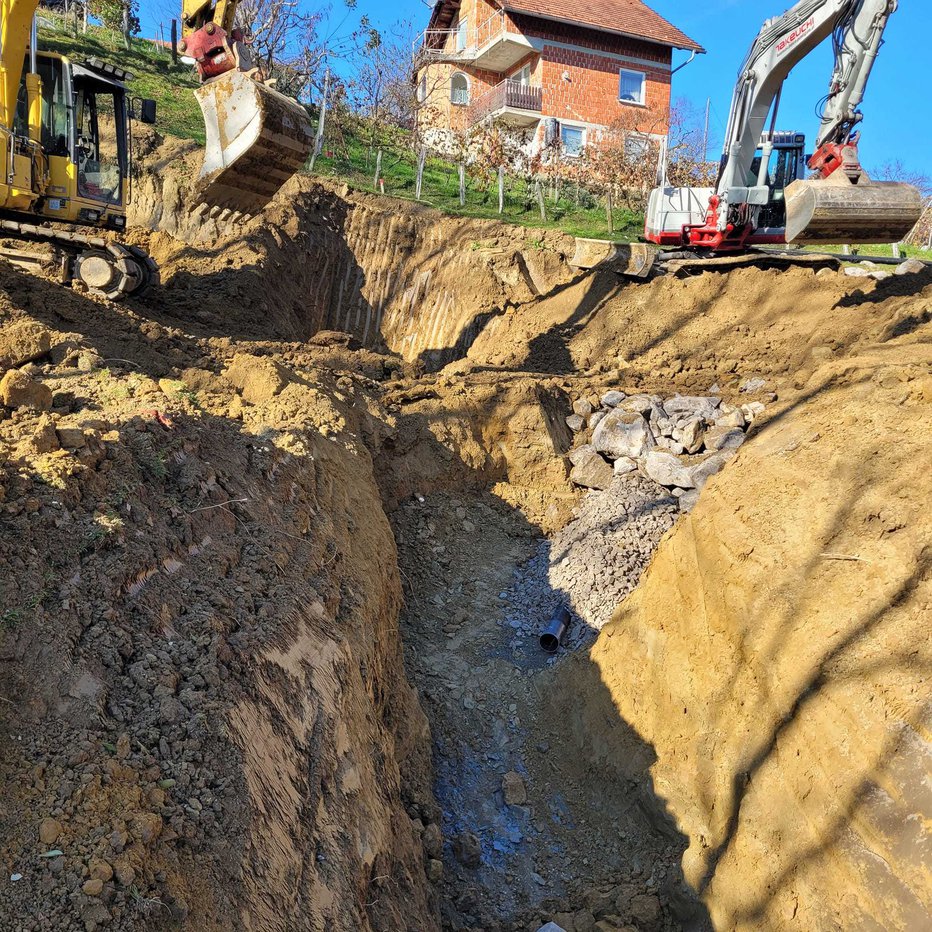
551 69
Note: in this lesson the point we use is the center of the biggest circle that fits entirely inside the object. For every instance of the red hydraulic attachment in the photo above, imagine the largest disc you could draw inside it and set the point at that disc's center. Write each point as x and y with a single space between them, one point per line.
831 156
214 51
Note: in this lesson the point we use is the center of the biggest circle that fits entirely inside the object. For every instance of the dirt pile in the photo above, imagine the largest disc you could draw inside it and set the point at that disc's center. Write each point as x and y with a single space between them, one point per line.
203 715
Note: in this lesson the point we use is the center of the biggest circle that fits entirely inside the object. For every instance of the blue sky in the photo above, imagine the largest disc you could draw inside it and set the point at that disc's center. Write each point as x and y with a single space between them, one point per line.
897 109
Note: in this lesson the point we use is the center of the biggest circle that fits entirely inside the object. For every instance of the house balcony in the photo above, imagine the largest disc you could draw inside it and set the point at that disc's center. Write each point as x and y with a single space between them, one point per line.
519 105
495 45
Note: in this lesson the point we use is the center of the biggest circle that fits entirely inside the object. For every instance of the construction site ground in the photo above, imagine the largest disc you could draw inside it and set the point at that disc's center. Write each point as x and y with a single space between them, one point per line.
279 538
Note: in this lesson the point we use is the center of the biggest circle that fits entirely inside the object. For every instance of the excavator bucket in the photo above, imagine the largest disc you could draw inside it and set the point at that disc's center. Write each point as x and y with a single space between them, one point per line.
257 139
837 211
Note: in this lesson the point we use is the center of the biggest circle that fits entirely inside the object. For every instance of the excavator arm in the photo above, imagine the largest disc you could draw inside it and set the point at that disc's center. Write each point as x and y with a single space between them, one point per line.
842 203
256 138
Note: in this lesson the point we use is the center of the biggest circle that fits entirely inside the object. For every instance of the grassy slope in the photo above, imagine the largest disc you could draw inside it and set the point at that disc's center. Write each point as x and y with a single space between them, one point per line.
155 77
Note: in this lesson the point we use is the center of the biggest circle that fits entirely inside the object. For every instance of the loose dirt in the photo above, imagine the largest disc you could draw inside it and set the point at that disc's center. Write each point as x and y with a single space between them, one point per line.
326 462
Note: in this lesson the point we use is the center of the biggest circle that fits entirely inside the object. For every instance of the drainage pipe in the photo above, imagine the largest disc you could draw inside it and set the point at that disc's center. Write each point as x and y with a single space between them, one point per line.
553 635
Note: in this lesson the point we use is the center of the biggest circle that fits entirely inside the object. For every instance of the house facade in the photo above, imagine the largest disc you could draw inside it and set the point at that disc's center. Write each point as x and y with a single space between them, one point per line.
550 69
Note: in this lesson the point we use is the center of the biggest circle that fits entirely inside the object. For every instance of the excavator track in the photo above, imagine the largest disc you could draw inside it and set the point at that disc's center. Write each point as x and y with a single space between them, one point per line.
106 268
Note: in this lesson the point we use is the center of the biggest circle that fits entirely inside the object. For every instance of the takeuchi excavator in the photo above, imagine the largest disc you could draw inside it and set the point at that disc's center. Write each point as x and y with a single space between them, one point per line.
67 145
768 192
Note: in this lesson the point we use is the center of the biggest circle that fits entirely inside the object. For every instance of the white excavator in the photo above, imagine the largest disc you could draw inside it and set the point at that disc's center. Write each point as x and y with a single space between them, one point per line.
768 192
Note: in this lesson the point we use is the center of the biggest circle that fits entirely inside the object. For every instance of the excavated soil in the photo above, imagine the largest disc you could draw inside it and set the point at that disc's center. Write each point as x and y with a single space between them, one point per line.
278 540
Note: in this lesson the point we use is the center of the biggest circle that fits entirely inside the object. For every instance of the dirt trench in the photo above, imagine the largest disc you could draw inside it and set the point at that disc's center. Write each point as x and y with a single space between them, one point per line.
238 529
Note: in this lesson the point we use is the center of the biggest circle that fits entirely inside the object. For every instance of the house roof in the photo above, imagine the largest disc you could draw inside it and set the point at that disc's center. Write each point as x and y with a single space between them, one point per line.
627 17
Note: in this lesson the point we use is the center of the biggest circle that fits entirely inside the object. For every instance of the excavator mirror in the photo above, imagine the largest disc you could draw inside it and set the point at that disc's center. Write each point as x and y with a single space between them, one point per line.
147 111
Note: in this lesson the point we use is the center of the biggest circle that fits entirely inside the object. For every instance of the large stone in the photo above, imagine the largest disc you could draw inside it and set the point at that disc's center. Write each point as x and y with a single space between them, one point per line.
704 407
467 849
582 407
613 399
708 468
910 267
724 438
623 433
692 436
18 390
666 470
575 423
433 840
643 404
49 831
513 789
581 454
592 473
625 465
258 378
734 418
646 913
22 342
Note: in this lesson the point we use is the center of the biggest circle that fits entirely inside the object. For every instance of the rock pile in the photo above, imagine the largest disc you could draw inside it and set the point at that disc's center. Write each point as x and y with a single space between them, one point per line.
679 443
592 563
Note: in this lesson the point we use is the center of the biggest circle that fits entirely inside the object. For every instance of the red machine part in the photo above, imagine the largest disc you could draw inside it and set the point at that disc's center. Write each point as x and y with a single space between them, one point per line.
212 50
832 156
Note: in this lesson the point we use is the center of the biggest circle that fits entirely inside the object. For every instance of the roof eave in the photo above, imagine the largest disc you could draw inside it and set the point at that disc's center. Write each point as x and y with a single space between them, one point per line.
692 47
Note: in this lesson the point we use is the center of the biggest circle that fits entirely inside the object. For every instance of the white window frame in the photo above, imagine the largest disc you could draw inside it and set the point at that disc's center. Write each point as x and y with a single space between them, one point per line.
582 139
462 35
517 79
643 78
468 100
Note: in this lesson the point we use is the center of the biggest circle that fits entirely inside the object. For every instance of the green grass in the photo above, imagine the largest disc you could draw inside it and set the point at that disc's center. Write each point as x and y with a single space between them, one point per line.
155 76
353 160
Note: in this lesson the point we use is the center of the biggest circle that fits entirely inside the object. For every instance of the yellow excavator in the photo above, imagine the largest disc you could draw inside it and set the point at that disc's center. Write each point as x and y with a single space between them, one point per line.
66 138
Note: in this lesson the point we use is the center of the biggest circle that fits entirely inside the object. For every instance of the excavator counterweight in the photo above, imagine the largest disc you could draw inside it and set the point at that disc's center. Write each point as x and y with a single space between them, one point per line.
257 139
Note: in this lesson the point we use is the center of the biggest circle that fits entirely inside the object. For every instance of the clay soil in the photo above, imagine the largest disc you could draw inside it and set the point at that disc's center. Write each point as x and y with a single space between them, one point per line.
270 596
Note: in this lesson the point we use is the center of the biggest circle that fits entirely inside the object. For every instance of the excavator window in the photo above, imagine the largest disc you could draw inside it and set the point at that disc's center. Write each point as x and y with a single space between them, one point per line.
100 122
55 126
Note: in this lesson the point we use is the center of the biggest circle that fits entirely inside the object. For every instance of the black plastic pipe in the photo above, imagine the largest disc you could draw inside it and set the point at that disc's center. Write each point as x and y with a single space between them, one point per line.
553 634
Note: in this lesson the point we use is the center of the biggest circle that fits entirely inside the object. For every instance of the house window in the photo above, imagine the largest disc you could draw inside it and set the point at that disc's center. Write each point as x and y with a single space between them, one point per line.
462 36
523 77
573 139
632 87
459 90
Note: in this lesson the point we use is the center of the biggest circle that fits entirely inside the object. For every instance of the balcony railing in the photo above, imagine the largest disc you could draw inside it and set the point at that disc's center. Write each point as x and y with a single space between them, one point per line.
455 45
509 95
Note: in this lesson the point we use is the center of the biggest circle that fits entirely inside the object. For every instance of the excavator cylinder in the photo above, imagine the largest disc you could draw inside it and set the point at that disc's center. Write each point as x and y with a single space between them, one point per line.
257 139
837 211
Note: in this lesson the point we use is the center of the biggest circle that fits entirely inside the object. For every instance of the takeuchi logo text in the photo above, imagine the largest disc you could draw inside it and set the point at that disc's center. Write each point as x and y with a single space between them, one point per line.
795 35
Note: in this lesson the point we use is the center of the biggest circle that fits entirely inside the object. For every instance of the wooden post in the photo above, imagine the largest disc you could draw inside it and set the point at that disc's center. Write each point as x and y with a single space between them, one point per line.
378 170
126 25
419 183
174 41
321 122
896 251
541 203
501 189
462 184
608 210
85 12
